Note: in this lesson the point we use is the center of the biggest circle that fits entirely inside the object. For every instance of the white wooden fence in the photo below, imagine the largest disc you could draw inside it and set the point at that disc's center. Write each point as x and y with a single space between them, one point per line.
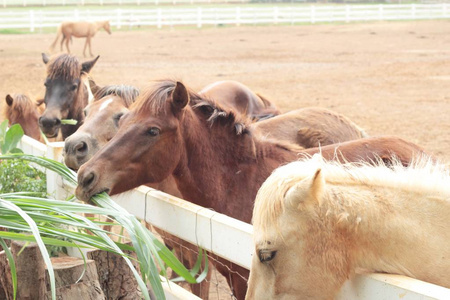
216 16
225 236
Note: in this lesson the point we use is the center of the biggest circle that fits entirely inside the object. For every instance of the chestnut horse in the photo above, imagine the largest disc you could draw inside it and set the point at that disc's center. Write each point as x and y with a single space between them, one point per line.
235 95
310 127
316 222
100 125
80 30
20 109
215 159
66 95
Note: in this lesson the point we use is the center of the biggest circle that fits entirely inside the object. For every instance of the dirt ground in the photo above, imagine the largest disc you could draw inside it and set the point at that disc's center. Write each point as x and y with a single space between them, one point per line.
390 78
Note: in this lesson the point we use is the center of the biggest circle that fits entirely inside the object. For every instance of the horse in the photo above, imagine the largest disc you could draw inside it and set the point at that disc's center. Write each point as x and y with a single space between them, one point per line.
235 95
310 127
20 109
100 125
79 30
316 222
66 94
210 151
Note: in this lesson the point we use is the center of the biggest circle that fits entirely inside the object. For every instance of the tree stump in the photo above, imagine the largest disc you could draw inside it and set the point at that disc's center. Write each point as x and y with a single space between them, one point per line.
116 279
67 273
30 272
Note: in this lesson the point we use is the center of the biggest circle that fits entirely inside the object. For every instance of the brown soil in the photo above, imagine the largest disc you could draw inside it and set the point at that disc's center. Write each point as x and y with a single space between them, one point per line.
390 78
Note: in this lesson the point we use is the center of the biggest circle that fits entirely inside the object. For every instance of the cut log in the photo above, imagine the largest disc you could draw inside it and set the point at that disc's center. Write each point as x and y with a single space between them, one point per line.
116 279
30 272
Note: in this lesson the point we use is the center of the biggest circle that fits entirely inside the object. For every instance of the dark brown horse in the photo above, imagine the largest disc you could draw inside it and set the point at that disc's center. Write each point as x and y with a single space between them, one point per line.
235 95
215 159
66 95
20 109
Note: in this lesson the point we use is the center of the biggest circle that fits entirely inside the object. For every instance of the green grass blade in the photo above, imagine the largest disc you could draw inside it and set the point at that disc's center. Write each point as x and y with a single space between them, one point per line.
12 266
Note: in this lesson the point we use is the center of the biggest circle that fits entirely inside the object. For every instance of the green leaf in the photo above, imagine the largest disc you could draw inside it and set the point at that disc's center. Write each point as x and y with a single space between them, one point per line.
12 138
12 266
69 122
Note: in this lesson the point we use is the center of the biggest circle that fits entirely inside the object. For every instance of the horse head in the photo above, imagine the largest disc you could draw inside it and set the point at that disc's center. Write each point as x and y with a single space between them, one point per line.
20 109
65 93
148 133
100 124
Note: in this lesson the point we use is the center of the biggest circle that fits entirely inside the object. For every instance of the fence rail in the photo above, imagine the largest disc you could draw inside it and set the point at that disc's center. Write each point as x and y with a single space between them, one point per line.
215 16
225 236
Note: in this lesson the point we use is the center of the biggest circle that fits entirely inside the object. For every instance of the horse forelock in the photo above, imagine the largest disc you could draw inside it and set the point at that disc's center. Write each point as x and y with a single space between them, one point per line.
423 176
64 66
154 98
127 93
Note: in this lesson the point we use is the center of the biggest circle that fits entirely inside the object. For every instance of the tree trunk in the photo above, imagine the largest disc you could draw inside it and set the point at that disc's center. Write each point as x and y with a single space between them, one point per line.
67 273
30 272
115 276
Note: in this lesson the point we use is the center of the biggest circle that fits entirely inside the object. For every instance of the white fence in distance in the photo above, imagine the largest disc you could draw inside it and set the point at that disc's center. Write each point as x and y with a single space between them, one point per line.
203 227
216 16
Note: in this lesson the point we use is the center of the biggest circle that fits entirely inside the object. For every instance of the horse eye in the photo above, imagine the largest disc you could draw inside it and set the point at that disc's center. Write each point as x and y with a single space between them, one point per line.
74 87
153 131
116 118
85 112
266 255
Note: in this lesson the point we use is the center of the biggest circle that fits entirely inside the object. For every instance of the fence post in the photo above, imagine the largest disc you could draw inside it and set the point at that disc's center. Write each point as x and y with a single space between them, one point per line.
54 151
238 16
159 19
31 20
119 18
275 15
313 14
347 13
199 17
380 12
413 11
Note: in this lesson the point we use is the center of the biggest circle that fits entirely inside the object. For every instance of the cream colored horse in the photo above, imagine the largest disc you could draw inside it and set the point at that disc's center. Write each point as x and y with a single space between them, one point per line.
79 30
316 222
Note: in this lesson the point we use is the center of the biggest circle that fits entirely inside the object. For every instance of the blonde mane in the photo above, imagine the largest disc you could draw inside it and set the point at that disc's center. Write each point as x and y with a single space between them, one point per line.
423 177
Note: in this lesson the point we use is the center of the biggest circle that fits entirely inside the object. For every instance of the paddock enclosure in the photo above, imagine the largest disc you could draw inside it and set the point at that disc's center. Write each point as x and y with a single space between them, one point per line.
390 78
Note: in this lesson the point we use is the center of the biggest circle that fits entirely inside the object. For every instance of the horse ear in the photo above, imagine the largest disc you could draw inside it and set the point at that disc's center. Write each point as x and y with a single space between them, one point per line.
87 66
306 192
94 87
45 58
9 100
180 97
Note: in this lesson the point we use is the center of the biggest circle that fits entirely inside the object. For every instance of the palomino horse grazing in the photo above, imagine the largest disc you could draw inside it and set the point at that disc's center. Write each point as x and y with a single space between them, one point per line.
215 159
20 109
309 127
234 95
315 223
79 29
100 125
66 95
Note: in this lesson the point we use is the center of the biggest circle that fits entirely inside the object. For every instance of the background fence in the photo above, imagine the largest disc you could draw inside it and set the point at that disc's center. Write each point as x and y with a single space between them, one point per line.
216 16
225 236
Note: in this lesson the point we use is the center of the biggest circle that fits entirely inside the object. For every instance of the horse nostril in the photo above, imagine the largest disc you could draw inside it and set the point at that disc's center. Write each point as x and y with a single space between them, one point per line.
57 122
81 147
88 179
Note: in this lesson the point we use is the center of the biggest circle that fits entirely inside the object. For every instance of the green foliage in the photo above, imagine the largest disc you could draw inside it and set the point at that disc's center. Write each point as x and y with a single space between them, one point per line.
18 175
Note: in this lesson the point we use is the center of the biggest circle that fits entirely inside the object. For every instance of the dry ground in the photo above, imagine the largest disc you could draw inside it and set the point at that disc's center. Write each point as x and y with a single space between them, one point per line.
390 78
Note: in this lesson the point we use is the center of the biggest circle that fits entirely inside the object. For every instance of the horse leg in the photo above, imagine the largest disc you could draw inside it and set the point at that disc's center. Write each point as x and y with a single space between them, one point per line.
62 41
85 45
67 44
90 48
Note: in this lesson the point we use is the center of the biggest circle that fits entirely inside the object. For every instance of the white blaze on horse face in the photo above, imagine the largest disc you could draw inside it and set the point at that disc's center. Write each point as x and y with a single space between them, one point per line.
105 104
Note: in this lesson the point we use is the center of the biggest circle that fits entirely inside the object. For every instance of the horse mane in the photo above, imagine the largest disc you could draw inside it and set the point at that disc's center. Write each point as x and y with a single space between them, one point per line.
128 93
64 66
423 176
22 106
154 99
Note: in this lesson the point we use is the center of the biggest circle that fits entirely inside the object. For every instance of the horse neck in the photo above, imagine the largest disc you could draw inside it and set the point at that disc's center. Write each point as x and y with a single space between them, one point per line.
386 227
100 24
224 174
